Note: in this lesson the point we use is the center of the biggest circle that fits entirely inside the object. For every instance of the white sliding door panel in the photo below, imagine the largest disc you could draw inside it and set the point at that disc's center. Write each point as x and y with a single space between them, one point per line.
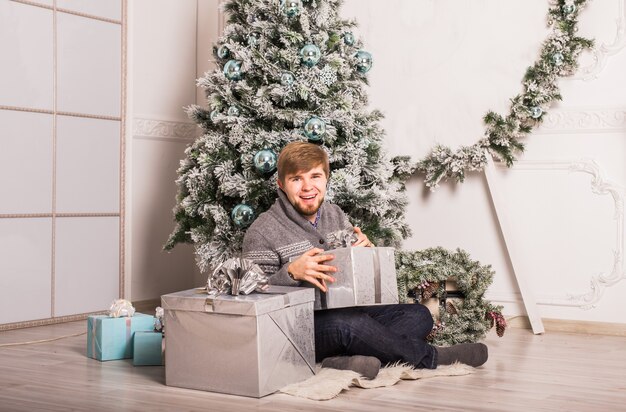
25 263
87 264
26 61
88 171
108 9
62 151
25 162
89 66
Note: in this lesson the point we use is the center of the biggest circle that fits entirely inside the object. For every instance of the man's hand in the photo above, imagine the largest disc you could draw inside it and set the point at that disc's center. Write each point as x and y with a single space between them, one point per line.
362 239
309 267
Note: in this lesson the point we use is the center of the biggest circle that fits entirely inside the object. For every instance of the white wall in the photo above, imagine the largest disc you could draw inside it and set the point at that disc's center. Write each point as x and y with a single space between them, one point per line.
438 67
170 44
61 147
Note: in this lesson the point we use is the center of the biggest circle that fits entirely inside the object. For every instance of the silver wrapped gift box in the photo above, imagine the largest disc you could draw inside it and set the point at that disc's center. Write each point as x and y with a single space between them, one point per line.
249 345
365 276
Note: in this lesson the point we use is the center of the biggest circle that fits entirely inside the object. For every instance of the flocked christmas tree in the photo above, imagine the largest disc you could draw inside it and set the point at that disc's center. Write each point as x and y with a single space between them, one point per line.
287 70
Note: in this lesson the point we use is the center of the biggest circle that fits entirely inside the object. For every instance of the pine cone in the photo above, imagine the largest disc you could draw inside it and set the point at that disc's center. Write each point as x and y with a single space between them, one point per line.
498 320
500 325
436 328
430 290
500 329
450 308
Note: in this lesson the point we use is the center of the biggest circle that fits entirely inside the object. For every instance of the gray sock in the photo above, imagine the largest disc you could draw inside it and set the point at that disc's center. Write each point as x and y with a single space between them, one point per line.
367 366
472 354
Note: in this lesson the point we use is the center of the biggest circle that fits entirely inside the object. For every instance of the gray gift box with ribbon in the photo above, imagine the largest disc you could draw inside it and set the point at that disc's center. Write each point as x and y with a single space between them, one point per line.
249 345
365 276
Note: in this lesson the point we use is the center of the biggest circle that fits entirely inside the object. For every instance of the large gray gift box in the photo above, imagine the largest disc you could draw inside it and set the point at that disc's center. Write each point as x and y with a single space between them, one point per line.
365 276
249 345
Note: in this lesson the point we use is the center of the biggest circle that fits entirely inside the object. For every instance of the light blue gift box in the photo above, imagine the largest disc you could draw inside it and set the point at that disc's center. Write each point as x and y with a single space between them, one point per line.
148 348
112 338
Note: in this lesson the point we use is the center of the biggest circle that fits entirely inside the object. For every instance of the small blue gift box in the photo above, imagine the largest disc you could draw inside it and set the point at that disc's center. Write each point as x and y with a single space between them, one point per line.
112 338
148 348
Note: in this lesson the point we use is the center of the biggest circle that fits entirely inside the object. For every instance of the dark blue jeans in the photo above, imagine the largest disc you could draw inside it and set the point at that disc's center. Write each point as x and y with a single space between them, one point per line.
390 333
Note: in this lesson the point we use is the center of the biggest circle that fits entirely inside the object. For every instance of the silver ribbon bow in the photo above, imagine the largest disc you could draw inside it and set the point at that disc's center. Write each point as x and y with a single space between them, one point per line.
341 238
237 276
121 308
158 320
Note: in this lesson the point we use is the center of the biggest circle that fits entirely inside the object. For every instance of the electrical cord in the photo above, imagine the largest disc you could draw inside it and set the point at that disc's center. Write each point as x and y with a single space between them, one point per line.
3 345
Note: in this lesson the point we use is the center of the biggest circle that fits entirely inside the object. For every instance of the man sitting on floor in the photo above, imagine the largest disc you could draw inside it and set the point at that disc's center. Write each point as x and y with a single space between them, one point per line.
296 226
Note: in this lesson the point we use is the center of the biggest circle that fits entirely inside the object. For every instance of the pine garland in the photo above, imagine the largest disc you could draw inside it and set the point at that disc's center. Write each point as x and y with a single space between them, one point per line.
558 58
460 320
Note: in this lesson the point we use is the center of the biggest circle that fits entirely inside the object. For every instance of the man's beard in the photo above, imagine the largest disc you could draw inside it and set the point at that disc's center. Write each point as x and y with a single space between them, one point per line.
308 210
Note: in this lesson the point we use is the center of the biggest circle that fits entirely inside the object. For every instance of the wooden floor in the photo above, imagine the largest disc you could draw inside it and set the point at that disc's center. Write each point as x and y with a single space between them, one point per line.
552 372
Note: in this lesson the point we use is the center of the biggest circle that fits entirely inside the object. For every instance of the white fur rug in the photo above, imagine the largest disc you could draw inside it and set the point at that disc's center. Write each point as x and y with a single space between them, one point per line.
328 383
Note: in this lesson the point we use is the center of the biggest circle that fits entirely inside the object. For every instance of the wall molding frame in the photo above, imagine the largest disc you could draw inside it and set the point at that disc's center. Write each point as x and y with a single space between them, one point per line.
607 120
599 186
601 54
165 130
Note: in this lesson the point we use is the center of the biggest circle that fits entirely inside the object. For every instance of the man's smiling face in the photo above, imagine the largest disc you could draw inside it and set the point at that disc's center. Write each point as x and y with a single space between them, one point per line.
306 190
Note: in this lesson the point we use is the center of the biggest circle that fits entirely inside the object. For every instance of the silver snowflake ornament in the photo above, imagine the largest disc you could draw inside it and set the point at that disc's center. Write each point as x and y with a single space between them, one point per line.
327 75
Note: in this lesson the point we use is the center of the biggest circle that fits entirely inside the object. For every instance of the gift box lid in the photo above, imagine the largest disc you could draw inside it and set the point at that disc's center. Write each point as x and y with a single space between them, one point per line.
359 250
254 304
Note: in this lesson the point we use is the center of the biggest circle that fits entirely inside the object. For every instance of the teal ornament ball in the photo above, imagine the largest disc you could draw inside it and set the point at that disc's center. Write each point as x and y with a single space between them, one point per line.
223 52
265 161
232 70
314 129
286 79
214 115
291 8
348 38
364 61
569 8
557 59
242 215
536 112
253 39
310 55
233 111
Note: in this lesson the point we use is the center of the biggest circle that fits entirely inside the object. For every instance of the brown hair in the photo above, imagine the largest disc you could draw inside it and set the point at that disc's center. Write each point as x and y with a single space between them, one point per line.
301 157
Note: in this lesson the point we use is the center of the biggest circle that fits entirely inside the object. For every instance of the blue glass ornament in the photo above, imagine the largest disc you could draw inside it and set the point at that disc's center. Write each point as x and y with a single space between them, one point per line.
233 111
223 52
214 115
314 129
242 215
364 63
310 55
291 8
348 38
232 70
569 8
536 112
557 59
286 79
253 39
265 161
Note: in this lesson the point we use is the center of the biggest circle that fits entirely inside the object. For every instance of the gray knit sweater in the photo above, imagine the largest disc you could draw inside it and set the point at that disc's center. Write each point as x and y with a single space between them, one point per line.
282 233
